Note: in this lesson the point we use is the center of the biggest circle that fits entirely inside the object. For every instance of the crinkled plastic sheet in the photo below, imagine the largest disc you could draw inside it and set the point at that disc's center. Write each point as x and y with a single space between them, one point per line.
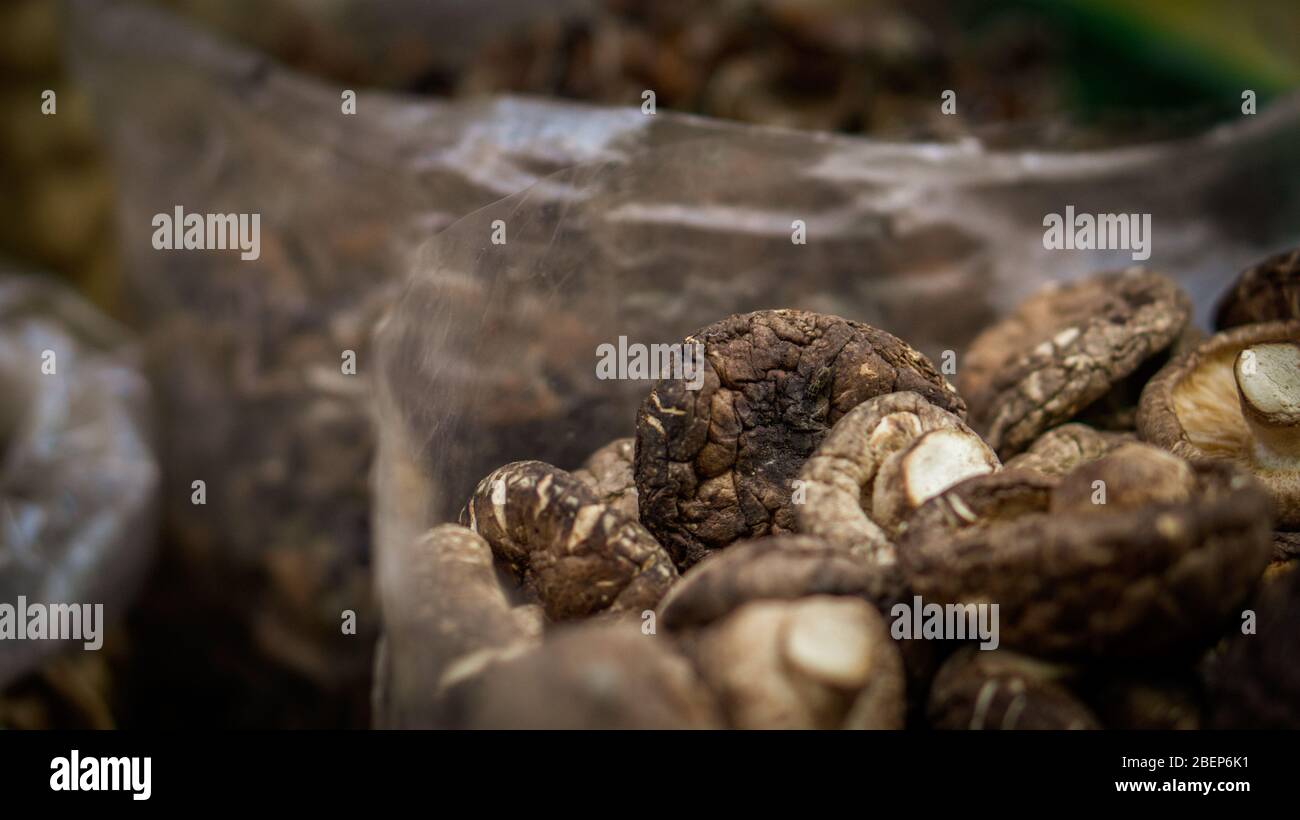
246 355
490 354
78 478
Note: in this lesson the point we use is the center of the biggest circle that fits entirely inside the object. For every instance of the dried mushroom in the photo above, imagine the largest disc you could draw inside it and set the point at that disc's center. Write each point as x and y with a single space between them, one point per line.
1089 568
585 676
883 459
1064 349
577 555
464 618
820 662
714 465
1060 450
1267 292
1146 703
465 607
981 503
1235 398
1286 546
1134 476
1255 684
776 567
1000 689
608 471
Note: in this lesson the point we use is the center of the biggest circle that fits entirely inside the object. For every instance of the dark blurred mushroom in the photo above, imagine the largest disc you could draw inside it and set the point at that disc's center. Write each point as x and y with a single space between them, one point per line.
1089 569
1001 689
1266 292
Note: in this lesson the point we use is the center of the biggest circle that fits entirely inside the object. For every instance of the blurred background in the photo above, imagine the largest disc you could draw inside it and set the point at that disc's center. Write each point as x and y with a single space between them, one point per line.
1053 74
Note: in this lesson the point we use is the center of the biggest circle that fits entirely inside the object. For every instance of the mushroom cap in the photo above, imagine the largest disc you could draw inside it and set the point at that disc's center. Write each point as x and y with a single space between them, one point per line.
1129 582
1193 409
608 471
819 662
1061 449
778 567
1000 689
1143 699
1255 684
880 461
715 464
577 555
1266 292
601 675
1131 476
1063 349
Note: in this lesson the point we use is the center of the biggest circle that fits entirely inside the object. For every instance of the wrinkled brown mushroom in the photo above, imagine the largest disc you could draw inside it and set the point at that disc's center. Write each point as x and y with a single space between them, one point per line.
577 555
820 662
714 465
1145 702
1000 689
879 462
777 567
1061 449
608 472
1266 292
1132 476
1286 546
584 676
1255 684
1235 398
1065 349
1088 568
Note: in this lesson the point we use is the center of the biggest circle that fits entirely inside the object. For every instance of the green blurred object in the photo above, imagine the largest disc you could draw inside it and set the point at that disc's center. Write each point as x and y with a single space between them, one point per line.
1171 54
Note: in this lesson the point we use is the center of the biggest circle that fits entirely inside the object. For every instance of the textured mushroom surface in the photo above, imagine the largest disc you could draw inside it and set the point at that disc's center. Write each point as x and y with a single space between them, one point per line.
1132 476
1063 349
1000 689
585 676
1195 408
714 465
1267 292
1061 449
1140 572
775 567
880 461
982 502
1256 683
463 607
608 472
820 662
1286 546
577 555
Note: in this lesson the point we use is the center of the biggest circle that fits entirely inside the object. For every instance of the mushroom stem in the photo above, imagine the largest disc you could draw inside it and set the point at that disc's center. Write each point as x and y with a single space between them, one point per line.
1268 387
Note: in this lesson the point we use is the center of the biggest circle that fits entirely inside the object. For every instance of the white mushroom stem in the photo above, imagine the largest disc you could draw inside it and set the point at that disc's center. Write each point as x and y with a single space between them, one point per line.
1268 386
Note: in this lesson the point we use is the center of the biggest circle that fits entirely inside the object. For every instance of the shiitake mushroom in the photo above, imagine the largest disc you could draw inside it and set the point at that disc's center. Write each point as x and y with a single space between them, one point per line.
715 465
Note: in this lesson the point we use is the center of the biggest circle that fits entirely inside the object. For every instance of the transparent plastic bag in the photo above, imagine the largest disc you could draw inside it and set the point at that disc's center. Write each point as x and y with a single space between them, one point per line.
247 357
78 477
490 354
